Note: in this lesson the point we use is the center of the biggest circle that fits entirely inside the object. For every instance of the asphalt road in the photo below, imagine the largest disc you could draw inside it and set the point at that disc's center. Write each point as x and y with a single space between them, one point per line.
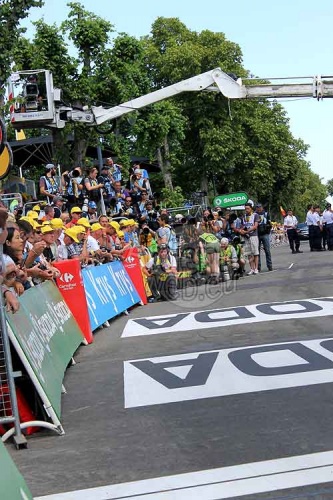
191 391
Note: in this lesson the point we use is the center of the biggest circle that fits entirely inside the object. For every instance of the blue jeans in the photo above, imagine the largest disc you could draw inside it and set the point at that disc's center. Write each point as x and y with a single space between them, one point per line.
264 241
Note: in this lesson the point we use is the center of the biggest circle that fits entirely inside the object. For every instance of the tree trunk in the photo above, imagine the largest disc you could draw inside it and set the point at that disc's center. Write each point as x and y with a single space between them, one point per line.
165 164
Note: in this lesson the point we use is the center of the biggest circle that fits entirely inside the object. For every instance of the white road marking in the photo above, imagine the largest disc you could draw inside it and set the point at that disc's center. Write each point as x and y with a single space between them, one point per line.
163 380
221 483
291 265
222 317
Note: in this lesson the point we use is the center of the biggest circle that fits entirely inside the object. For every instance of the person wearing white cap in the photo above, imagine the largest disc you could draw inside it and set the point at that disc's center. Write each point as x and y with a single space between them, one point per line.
48 185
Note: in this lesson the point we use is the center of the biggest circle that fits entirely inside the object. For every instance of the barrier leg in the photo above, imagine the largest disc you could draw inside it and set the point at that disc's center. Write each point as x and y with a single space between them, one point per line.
33 423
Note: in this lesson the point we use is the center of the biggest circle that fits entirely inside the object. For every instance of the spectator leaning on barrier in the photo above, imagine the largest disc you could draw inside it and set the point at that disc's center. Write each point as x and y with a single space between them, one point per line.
71 248
58 227
13 253
11 302
93 246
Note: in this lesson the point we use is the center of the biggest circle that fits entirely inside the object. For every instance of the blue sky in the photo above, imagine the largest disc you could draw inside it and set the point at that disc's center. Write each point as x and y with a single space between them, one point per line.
278 39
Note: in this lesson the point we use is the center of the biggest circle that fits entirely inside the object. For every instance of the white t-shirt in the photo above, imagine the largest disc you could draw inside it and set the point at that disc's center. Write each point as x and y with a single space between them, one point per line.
92 244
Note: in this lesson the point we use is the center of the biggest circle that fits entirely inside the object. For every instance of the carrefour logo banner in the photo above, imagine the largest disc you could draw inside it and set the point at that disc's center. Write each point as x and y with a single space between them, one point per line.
109 292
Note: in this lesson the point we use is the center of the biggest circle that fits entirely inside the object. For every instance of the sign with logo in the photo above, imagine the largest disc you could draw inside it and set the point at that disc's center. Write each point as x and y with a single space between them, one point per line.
230 200
6 156
220 318
48 336
226 372
109 291
132 265
12 484
70 284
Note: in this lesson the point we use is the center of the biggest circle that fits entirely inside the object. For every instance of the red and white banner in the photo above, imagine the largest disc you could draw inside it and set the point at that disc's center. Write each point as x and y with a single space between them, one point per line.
132 265
70 284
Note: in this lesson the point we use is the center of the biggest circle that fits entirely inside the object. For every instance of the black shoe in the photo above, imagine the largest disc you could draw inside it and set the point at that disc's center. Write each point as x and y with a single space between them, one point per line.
293 251
299 251
270 269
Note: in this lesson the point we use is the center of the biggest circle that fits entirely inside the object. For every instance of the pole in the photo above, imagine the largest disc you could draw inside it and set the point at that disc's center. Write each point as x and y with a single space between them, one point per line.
19 439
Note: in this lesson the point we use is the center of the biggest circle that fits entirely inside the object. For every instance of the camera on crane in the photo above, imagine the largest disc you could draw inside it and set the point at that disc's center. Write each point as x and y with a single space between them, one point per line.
31 95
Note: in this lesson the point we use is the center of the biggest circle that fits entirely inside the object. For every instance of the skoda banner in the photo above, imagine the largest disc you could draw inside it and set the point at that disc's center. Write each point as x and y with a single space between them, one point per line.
230 200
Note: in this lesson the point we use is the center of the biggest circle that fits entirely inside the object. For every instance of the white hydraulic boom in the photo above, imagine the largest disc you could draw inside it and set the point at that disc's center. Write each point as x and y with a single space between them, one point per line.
48 110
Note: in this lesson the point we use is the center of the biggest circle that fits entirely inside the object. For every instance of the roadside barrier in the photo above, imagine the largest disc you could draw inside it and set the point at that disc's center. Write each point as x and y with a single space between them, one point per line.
45 333
12 484
109 292
45 337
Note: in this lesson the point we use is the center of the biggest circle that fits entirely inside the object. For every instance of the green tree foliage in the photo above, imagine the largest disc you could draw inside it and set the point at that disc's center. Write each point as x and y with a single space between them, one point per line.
197 137
172 198
329 186
11 13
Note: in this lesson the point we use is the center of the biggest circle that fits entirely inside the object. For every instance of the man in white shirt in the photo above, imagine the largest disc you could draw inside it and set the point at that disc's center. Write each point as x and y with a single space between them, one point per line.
317 229
290 224
328 221
310 223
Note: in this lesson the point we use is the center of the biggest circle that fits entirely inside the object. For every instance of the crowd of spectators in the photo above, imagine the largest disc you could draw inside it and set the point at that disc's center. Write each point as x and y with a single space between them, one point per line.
95 218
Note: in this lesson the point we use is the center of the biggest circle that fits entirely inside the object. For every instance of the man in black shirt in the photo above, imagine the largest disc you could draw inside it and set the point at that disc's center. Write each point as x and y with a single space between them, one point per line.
264 234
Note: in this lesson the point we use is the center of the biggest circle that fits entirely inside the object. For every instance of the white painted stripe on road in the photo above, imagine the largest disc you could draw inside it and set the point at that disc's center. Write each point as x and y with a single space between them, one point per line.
222 483
227 372
222 317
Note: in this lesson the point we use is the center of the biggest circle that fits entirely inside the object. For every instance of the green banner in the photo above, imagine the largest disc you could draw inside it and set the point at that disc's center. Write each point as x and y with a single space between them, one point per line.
12 484
48 335
230 200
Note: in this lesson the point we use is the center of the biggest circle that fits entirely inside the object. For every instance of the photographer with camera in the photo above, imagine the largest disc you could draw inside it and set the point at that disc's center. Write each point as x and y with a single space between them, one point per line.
162 275
207 222
147 238
152 216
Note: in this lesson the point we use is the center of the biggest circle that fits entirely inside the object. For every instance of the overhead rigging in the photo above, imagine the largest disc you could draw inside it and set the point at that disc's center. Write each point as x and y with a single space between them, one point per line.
35 102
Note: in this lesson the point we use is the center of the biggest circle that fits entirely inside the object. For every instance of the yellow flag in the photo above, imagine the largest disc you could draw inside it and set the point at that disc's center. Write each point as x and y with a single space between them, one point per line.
20 135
